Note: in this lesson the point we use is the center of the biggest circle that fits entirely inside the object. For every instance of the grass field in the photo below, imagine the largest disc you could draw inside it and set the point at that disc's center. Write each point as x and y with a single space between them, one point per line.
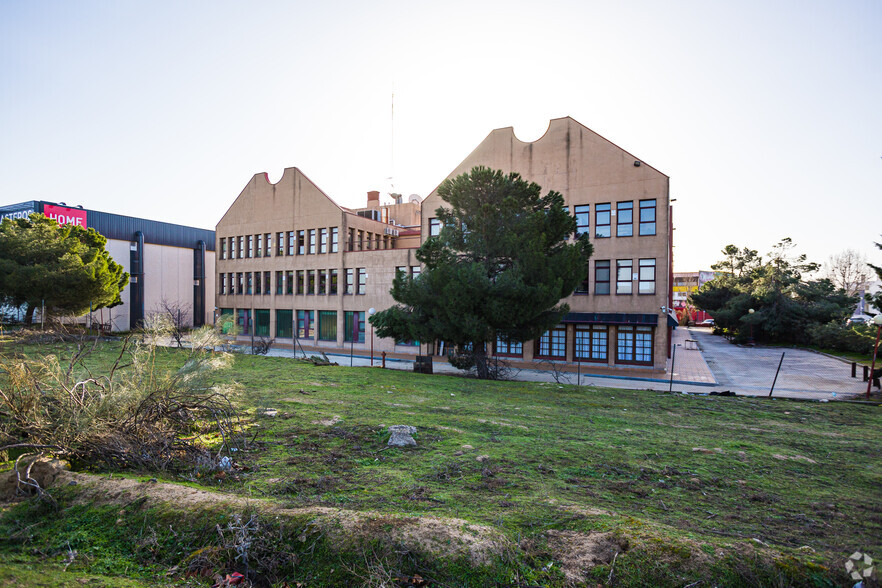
678 489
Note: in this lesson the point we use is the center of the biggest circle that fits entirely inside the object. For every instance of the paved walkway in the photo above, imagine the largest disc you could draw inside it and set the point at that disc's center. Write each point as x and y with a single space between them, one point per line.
702 363
751 370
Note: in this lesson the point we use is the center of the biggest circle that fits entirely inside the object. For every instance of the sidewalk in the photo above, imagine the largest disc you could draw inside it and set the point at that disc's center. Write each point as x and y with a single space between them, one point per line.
702 363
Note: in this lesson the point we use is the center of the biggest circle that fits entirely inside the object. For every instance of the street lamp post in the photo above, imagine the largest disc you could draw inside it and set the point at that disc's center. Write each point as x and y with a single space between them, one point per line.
750 341
877 321
371 312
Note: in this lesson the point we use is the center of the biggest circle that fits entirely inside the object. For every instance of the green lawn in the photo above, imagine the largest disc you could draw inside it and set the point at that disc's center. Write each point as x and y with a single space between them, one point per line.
735 491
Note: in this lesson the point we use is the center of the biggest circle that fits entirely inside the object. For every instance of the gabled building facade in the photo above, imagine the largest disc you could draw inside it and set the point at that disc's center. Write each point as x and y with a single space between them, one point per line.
295 266
619 315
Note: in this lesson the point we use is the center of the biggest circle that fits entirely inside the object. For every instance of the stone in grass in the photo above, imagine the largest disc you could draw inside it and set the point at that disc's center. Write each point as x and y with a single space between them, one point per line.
402 436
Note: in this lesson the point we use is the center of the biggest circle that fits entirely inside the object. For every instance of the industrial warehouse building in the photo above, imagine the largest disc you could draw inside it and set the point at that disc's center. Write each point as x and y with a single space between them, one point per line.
294 265
169 264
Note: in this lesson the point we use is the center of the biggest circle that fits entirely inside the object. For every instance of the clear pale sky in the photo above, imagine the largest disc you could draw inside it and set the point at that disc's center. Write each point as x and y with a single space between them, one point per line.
766 115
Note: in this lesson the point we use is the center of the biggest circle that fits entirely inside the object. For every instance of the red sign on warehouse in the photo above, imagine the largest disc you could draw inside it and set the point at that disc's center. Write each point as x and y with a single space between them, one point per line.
66 216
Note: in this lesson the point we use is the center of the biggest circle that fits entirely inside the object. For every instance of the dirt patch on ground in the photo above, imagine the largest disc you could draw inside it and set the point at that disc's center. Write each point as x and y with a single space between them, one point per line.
329 422
586 510
793 458
300 399
503 424
439 537
579 552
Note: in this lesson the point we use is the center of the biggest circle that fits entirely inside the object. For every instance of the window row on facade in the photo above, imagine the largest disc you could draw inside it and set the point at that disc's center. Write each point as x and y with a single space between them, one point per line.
603 219
623 214
280 244
316 325
627 344
625 276
291 282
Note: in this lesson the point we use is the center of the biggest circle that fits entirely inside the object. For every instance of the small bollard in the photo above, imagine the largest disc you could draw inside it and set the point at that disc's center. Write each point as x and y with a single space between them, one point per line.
384 360
854 369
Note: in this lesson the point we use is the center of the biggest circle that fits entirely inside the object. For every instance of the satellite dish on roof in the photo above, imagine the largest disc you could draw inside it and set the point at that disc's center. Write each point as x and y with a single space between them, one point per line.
414 198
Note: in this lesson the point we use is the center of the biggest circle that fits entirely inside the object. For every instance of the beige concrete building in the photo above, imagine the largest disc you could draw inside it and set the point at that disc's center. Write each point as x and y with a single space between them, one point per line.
619 316
292 262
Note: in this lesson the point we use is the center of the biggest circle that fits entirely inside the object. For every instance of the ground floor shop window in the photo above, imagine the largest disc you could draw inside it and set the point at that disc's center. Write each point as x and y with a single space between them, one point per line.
354 326
634 345
262 322
553 344
284 323
305 324
327 325
511 348
592 342
243 319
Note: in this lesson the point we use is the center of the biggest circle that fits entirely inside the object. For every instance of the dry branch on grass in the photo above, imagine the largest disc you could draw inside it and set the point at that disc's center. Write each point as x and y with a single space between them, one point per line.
132 414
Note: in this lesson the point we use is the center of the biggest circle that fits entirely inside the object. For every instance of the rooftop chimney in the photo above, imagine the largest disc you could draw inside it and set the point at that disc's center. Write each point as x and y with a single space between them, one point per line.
373 198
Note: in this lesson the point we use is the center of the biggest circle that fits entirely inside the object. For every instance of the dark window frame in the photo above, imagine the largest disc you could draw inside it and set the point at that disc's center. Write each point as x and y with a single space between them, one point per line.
625 209
602 265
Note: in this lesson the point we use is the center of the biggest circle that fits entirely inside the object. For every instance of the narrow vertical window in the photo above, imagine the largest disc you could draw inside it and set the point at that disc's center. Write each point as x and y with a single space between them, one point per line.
310 281
624 283
360 245
349 286
312 241
223 247
332 283
290 243
289 282
647 217
335 237
301 242
646 274
279 283
240 248
602 230
601 277
249 246
351 246
323 240
322 282
268 239
258 248
267 282
240 287
301 281
362 281
414 271
257 283
222 283
583 218
624 219
280 244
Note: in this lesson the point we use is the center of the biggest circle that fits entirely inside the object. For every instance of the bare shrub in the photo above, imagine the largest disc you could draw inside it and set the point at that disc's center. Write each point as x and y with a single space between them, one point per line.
131 413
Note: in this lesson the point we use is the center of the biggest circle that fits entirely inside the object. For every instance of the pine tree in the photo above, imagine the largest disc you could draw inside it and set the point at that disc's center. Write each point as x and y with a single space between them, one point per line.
499 268
65 267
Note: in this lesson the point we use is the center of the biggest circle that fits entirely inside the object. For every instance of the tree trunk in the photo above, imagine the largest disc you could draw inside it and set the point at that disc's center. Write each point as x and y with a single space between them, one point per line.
482 366
29 314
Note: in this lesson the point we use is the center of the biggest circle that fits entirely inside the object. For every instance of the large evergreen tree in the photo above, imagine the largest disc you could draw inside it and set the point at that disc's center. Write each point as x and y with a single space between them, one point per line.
499 268
66 267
